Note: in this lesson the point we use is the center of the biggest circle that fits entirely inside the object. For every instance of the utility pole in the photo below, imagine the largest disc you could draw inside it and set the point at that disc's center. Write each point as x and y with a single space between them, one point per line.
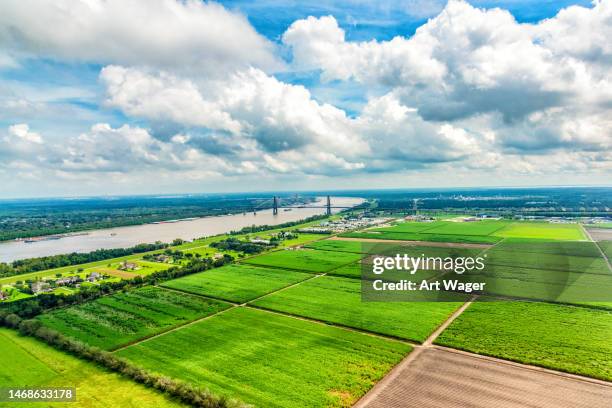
328 206
275 206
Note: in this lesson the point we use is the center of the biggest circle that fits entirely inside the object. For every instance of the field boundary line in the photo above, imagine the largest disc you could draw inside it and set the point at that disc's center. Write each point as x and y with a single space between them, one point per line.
381 385
170 330
433 336
412 343
526 366
283 288
603 254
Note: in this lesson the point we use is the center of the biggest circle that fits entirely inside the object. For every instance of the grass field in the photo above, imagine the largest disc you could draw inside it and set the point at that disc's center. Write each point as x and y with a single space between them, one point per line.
606 247
546 285
28 362
542 230
271 360
568 248
572 339
336 245
237 283
556 262
408 236
486 227
350 271
410 226
112 321
338 300
305 260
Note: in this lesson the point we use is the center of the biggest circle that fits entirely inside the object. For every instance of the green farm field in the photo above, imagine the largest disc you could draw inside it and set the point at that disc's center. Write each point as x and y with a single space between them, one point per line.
567 248
566 338
236 283
112 321
564 263
338 300
543 230
546 285
336 245
485 227
606 247
29 362
271 360
411 226
413 236
305 260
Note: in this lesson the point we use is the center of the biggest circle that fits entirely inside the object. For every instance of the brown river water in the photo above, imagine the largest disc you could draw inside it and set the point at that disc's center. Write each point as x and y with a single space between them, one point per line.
123 237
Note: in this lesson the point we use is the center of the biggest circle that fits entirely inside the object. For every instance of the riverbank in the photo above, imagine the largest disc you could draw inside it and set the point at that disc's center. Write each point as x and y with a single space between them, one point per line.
124 237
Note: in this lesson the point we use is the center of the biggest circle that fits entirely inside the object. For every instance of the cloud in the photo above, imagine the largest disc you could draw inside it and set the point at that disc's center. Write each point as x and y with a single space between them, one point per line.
188 35
248 105
545 81
471 92
22 133
162 96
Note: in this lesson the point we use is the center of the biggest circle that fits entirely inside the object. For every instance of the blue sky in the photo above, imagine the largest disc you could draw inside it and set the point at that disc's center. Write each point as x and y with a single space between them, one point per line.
258 96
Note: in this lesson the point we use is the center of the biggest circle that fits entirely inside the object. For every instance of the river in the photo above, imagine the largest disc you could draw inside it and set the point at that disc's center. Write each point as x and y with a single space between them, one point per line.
124 237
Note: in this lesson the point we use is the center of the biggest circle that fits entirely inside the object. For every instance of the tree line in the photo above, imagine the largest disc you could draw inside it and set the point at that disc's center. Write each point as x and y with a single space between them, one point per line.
18 315
57 261
30 307
184 392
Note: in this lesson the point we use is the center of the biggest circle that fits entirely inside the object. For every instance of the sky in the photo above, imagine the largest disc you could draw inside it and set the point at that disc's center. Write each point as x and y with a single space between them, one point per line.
107 97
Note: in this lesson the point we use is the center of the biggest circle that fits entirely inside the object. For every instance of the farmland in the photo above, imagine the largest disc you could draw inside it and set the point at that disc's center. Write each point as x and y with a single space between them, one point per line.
405 236
467 228
546 285
606 247
112 321
572 339
271 360
305 260
28 362
484 231
301 333
337 245
556 262
338 300
236 283
542 230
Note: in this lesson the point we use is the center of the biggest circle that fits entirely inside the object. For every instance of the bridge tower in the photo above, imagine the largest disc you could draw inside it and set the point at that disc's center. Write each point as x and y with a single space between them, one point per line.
328 206
275 206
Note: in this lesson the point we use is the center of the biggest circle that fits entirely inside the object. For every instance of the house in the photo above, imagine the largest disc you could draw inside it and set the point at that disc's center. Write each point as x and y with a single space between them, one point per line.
3 296
68 280
127 266
94 276
39 287
218 255
161 258
258 240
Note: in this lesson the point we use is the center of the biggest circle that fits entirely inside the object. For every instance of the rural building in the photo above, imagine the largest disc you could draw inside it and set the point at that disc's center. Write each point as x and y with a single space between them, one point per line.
127 266
68 280
258 240
94 276
39 287
3 296
161 258
218 255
